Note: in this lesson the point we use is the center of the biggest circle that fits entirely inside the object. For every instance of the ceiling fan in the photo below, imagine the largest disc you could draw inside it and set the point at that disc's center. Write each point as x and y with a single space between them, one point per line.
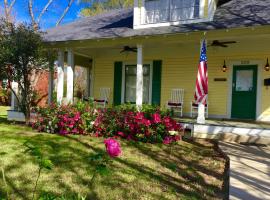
217 43
129 49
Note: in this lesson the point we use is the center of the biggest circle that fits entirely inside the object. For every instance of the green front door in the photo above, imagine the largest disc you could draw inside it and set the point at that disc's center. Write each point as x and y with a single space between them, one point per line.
244 92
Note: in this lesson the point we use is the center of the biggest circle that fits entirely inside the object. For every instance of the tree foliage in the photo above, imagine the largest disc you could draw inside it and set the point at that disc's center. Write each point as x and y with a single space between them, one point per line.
21 54
100 6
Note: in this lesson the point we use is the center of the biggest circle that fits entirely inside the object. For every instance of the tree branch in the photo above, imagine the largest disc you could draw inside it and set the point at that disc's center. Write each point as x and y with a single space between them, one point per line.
8 8
30 9
65 12
45 9
11 6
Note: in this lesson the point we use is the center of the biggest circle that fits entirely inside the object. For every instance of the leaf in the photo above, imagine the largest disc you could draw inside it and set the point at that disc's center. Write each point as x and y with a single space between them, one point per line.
102 170
172 166
35 151
46 163
96 157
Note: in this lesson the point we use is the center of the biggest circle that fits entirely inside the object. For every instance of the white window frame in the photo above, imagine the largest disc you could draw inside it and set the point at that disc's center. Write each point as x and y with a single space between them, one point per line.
139 13
124 80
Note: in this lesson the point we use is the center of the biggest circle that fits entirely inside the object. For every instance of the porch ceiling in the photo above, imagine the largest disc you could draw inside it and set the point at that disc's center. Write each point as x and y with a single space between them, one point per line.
251 44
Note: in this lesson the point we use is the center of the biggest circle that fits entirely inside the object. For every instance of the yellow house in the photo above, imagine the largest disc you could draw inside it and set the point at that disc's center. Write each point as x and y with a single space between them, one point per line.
141 54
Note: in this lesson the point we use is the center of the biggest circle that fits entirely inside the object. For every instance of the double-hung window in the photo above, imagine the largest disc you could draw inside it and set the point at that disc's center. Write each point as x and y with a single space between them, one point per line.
158 11
130 83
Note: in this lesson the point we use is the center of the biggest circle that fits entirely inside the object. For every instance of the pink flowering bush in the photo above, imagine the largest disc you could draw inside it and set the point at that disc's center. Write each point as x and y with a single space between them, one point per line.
66 119
148 125
154 126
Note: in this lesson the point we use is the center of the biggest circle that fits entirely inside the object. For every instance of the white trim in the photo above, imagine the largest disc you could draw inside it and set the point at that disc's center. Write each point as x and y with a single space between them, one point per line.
136 13
60 76
92 85
191 21
124 79
139 16
70 76
212 6
245 62
201 11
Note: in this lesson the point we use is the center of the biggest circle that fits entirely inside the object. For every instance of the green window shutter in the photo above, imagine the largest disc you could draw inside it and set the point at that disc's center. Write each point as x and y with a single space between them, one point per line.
156 83
117 83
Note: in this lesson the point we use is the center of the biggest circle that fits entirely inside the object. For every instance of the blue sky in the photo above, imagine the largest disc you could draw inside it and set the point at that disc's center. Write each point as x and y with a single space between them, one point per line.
20 11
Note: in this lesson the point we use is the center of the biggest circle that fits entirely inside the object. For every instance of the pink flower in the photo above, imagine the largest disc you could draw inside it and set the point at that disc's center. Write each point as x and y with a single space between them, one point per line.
167 140
113 147
63 132
177 137
121 133
139 116
156 118
77 116
146 122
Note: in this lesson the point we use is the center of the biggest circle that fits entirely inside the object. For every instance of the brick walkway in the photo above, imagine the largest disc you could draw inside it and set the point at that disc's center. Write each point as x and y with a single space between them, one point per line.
249 171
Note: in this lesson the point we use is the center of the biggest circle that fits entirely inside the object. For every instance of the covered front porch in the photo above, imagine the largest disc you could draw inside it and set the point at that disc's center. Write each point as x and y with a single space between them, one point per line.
166 62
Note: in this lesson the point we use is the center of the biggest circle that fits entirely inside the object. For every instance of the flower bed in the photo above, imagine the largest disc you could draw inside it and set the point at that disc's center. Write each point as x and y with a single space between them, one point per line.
148 125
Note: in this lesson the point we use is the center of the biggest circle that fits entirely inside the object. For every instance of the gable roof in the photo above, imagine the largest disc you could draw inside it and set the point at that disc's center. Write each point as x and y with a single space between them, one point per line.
119 23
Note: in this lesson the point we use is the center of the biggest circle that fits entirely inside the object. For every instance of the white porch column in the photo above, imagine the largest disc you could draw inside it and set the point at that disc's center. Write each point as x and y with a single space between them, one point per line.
139 81
51 84
70 76
201 114
89 80
60 77
14 86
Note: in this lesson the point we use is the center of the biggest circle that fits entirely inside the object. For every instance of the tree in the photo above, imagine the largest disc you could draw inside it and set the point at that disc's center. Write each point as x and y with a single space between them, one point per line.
100 6
21 53
36 20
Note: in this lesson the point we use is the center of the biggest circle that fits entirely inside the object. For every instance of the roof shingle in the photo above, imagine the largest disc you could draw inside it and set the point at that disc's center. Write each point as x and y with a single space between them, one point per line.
119 23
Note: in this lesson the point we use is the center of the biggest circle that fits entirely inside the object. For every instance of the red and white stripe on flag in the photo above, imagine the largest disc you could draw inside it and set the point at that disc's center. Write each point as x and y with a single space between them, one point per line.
201 92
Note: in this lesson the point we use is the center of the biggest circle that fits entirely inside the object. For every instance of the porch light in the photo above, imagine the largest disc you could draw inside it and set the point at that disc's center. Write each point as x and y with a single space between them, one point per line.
224 68
267 66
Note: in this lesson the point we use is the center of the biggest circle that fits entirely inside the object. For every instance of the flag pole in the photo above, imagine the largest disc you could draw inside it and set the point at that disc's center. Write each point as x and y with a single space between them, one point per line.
201 105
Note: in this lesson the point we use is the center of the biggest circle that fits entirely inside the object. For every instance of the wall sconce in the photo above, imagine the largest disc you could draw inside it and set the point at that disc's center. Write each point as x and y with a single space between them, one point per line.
267 66
224 68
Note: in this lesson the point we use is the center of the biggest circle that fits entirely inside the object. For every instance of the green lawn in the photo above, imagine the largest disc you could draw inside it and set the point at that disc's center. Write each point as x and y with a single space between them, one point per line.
144 171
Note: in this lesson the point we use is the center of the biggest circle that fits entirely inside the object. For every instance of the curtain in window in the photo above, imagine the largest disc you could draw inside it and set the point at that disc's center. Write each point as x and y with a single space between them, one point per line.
156 11
130 83
171 10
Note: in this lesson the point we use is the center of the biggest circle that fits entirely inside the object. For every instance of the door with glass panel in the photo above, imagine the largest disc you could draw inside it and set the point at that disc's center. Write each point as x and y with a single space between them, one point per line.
244 92
130 84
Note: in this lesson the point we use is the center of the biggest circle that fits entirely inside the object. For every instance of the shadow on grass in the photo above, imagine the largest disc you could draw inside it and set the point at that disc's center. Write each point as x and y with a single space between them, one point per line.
3 119
183 175
190 177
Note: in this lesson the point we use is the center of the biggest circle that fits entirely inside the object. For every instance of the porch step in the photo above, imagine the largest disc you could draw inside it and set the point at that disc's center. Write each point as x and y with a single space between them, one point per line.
235 138
230 133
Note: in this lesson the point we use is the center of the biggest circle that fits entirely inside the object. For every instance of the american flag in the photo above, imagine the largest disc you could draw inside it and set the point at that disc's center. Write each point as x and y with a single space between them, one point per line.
201 91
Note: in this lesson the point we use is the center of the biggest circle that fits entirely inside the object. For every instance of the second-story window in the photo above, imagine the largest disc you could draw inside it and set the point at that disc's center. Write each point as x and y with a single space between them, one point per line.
157 11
